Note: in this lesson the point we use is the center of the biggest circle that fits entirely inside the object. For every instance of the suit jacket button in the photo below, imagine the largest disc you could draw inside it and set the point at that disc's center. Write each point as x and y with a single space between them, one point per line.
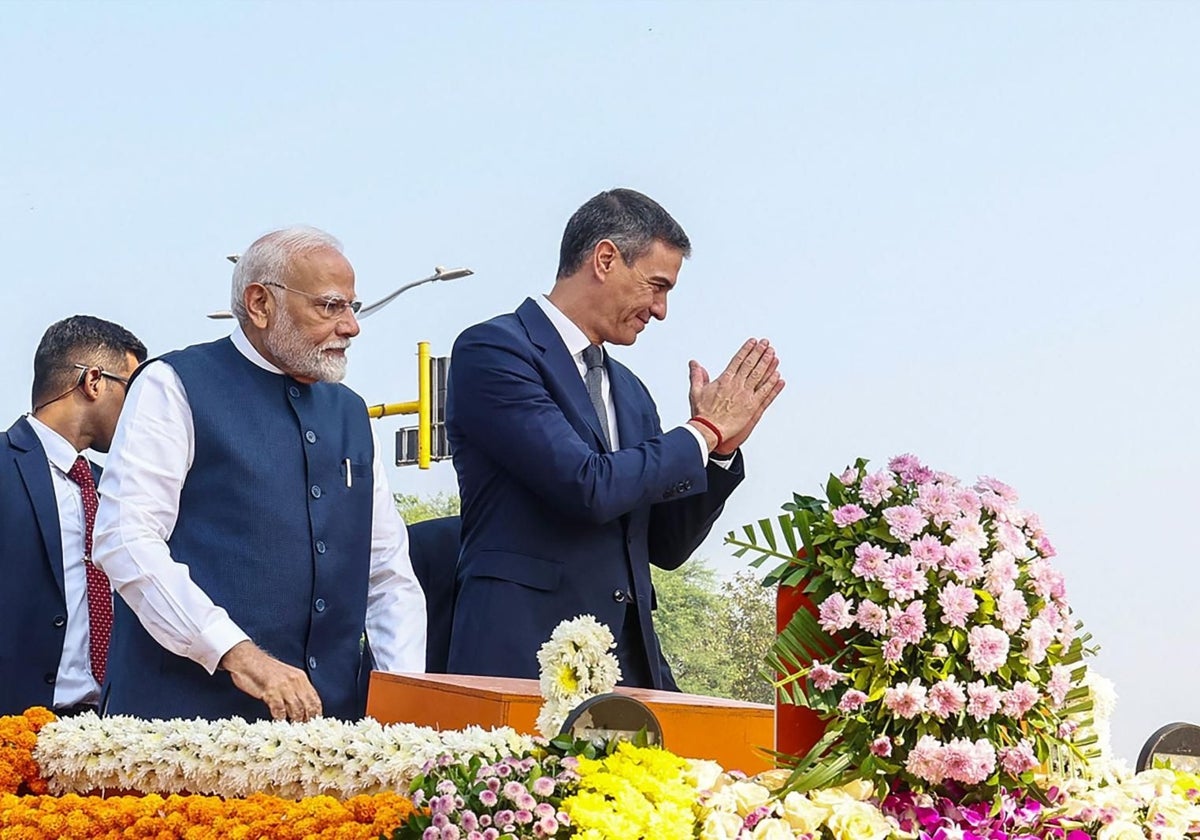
60 620
50 678
687 485
319 606
312 662
316 491
619 596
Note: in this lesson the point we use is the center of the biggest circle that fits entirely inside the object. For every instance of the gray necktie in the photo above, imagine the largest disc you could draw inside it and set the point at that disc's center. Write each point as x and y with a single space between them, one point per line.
593 359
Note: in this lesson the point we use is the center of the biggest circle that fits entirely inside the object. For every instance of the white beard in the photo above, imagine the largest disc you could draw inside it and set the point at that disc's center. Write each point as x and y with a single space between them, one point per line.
298 357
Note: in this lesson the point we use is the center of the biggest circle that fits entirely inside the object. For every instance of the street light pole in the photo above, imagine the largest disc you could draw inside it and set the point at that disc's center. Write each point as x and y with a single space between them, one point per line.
439 273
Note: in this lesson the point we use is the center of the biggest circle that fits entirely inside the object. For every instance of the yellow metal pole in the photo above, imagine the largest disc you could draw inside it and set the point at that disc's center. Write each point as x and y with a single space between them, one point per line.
425 406
386 409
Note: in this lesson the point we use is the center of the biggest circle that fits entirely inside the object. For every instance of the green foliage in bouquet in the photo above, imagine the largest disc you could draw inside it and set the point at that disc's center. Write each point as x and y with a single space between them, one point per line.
943 652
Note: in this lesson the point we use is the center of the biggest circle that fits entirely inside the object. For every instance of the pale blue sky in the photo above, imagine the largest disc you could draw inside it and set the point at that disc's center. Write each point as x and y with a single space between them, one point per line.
970 228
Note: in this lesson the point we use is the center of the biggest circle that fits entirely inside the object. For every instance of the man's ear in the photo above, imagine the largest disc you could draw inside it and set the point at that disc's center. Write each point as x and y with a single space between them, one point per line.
90 383
258 301
604 257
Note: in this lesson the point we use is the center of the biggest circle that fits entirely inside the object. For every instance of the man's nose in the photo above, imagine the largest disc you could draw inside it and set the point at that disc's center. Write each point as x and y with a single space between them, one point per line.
347 325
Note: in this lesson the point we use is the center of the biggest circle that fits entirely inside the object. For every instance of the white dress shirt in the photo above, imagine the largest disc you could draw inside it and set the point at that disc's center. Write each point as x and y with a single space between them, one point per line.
576 342
151 455
74 683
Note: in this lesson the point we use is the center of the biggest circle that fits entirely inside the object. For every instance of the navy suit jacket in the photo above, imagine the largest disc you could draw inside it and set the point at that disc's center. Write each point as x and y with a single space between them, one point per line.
33 608
553 524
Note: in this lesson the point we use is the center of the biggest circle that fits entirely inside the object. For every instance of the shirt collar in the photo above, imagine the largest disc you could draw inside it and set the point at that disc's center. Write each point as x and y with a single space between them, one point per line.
247 349
59 450
570 334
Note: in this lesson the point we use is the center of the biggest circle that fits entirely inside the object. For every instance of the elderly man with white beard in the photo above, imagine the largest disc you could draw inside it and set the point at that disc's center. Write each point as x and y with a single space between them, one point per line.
245 519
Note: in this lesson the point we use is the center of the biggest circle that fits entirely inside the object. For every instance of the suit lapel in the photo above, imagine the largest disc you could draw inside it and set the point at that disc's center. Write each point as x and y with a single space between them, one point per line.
565 380
35 472
628 403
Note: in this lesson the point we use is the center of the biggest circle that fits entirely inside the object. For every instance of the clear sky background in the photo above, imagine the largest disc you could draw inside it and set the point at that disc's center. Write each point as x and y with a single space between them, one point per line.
972 229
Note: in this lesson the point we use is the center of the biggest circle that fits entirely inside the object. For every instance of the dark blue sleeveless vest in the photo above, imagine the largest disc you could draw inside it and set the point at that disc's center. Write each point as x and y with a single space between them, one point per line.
271 529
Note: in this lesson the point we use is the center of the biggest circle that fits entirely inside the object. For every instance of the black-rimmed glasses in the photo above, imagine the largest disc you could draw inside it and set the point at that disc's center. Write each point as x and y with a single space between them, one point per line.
330 306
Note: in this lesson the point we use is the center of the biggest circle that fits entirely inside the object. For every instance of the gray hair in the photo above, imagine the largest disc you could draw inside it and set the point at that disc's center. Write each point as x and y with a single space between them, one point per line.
266 261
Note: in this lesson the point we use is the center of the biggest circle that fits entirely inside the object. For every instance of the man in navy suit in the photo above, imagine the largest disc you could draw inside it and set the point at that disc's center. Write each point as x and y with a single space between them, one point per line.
80 373
570 488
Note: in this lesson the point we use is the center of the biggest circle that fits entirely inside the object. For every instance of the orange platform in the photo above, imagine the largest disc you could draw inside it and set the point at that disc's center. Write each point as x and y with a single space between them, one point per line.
727 731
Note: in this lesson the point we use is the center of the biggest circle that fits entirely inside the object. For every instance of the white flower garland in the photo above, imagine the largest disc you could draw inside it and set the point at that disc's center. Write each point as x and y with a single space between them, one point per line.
234 758
575 664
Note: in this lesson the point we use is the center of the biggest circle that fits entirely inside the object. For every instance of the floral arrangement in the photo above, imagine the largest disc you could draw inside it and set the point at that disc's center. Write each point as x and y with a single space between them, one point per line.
943 652
736 807
19 773
1156 804
633 792
510 798
574 664
200 817
233 758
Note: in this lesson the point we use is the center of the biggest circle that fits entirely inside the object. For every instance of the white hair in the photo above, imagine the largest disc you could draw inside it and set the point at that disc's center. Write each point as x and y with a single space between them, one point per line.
267 260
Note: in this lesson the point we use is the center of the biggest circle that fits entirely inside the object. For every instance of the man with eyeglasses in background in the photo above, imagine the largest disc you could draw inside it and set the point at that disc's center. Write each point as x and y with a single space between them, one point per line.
247 524
55 604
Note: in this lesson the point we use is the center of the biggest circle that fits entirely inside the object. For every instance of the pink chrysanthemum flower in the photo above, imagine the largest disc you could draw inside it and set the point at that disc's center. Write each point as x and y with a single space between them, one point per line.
906 700
998 487
904 521
987 648
1012 610
969 504
877 486
1059 684
925 760
937 502
1000 573
969 532
893 651
870 561
849 478
882 746
903 578
967 762
852 701
848 515
983 700
823 677
1038 639
872 618
1018 700
964 561
907 466
1045 547
1011 539
946 699
1019 759
928 551
908 624
836 613
958 602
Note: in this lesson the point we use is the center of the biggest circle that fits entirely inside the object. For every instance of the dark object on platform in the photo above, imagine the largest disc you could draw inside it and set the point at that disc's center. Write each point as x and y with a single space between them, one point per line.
433 546
1176 744
609 717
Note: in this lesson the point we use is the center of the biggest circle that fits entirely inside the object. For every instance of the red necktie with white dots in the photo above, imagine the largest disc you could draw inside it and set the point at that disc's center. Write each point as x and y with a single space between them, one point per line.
99 592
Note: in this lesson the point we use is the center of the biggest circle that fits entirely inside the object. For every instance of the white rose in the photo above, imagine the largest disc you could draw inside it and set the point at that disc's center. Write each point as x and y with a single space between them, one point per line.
859 789
829 797
802 815
749 796
722 799
772 829
704 774
721 825
853 820
1121 830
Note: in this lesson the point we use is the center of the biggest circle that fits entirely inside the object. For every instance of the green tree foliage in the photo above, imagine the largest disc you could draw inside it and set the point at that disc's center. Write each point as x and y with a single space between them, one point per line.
414 508
715 633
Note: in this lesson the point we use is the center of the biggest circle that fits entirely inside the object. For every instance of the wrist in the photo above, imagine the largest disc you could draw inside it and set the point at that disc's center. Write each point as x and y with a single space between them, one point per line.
710 431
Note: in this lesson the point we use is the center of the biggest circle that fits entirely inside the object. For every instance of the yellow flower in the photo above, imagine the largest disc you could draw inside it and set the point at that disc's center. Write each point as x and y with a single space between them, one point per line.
802 815
566 678
721 825
748 796
853 820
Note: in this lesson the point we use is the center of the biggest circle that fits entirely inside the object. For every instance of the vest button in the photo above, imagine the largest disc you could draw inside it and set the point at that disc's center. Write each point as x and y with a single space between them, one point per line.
619 596
320 546
316 491
294 391
60 620
319 606
50 678
310 436
312 662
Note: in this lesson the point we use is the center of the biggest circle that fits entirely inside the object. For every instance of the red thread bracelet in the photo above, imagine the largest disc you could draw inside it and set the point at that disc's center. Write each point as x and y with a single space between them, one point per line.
714 429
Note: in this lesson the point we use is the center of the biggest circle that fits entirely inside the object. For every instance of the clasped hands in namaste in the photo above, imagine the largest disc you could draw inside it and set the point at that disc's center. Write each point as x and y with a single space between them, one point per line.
734 402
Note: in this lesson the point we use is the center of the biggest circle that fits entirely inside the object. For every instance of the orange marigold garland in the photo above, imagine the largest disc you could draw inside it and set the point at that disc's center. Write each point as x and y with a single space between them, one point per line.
18 735
201 817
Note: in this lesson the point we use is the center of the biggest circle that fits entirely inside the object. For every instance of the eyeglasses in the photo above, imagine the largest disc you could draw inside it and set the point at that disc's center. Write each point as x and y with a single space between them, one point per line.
329 306
124 380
